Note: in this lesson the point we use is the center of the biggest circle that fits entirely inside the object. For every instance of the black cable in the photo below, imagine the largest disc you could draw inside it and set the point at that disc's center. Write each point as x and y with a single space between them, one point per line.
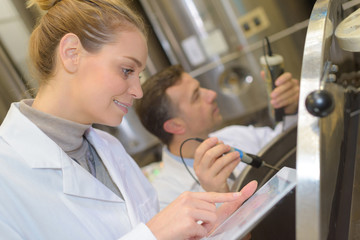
182 159
268 46
269 52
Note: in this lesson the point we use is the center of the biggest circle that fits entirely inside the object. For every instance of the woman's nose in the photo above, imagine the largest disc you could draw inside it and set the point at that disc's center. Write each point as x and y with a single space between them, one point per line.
135 89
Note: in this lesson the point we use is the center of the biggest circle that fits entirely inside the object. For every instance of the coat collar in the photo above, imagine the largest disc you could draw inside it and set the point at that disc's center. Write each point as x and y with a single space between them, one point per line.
176 168
38 151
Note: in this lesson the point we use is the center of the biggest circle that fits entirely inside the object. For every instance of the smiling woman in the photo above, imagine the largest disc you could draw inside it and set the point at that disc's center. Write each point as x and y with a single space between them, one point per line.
99 86
87 56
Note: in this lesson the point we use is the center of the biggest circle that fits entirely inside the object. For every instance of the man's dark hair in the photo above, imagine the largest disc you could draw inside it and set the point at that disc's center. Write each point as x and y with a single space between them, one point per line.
155 108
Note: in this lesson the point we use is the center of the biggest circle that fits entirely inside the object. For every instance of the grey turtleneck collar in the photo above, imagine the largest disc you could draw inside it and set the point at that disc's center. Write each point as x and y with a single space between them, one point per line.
67 134
70 137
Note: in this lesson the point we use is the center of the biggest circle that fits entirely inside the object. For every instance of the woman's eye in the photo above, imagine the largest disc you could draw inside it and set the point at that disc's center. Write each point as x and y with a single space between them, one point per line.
127 71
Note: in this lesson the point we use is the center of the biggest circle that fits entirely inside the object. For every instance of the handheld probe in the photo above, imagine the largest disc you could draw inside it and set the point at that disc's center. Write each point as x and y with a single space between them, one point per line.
248 158
273 66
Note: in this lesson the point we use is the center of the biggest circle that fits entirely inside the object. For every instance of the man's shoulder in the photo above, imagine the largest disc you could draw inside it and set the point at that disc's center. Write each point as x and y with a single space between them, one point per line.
232 129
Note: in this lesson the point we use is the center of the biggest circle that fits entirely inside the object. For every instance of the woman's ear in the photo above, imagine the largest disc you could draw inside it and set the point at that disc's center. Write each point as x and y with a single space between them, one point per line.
69 52
174 126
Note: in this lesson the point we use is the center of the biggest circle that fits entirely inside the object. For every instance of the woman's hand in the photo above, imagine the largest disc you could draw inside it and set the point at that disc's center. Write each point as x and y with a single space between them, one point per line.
194 215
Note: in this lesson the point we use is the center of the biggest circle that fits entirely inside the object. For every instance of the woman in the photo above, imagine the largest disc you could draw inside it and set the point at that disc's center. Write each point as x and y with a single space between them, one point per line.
62 179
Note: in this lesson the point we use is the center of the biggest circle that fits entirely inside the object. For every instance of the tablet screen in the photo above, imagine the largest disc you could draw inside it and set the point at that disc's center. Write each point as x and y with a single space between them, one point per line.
245 218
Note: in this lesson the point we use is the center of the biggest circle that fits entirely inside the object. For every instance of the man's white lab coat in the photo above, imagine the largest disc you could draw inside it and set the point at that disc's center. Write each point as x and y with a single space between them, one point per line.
175 179
44 194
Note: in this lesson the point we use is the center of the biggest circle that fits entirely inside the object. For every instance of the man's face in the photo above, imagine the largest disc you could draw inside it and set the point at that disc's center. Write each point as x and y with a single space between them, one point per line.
196 106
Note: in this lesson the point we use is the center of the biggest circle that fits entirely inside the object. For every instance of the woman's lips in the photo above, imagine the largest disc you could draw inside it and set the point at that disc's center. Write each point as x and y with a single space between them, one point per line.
122 106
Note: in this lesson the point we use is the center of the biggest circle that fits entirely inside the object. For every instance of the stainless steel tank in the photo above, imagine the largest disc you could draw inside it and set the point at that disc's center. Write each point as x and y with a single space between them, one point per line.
220 41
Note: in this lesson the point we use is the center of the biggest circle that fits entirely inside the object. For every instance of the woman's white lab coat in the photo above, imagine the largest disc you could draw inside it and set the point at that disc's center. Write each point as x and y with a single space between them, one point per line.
44 194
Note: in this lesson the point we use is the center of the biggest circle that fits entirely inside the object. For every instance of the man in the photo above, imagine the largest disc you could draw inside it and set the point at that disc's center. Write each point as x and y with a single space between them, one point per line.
175 108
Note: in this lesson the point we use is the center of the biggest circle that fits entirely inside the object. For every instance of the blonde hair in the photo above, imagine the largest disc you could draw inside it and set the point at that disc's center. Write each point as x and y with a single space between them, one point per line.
95 22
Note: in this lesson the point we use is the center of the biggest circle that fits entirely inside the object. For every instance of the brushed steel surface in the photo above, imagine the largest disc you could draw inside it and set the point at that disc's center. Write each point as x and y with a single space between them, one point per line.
319 139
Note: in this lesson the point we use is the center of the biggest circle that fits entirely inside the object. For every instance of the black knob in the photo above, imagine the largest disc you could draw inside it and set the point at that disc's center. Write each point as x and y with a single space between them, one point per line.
320 103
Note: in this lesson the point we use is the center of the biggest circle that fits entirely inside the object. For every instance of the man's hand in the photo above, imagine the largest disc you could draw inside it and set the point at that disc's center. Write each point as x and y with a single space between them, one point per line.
286 93
194 215
213 164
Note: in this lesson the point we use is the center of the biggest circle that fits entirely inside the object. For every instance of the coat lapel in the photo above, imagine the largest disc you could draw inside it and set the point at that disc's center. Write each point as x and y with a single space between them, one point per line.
79 182
114 167
127 184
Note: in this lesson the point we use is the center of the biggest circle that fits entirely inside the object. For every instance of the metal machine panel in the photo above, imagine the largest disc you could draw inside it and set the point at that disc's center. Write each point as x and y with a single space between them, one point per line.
323 147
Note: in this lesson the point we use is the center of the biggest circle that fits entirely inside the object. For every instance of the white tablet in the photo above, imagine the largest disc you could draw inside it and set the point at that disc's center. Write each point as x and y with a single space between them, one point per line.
246 217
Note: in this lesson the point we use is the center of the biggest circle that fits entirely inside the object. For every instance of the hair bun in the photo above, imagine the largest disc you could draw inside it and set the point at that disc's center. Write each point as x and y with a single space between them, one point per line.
43 4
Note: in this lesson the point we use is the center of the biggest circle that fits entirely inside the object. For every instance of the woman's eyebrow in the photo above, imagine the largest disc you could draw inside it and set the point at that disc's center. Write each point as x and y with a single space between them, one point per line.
138 63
